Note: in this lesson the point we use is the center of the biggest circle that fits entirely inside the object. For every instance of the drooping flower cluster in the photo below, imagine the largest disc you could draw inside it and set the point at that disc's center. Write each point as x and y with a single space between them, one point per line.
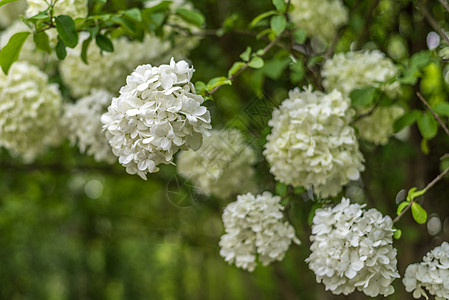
432 274
254 228
72 8
108 70
156 114
352 249
320 19
83 121
9 13
311 142
378 127
358 69
222 166
30 110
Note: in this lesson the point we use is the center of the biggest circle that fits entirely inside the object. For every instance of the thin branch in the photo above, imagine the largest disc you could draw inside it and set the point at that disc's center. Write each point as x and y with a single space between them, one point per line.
370 112
428 187
445 4
433 113
425 12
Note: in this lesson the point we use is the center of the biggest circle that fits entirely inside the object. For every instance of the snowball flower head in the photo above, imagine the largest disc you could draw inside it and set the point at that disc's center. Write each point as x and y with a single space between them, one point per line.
222 166
358 69
352 249
10 12
83 121
156 114
72 8
29 110
320 19
311 142
254 228
432 274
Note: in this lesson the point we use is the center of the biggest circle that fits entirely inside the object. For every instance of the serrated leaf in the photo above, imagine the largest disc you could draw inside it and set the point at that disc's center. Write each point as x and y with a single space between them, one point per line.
277 24
104 43
3 2
235 68
427 125
10 53
418 213
442 109
397 234
60 50
363 97
245 55
406 120
42 41
261 17
299 35
401 207
84 49
67 30
256 62
191 16
134 14
279 4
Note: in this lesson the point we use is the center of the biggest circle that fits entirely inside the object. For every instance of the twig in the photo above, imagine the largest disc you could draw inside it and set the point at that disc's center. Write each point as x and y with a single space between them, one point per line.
432 21
428 187
444 3
370 112
433 113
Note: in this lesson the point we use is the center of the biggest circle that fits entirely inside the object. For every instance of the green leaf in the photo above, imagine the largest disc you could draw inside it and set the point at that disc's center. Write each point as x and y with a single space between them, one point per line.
401 207
10 53
235 68
425 146
277 24
418 213
200 87
256 62
84 49
104 43
3 2
297 71
40 16
126 24
67 30
406 120
427 125
134 14
217 81
442 109
42 41
397 234
261 17
300 36
245 55
421 59
61 52
363 97
279 4
274 68
281 189
191 16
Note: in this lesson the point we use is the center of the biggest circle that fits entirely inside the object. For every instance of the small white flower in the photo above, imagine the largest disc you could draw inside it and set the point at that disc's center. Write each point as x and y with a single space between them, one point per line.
254 228
156 114
311 142
222 166
83 121
30 111
352 249
431 275
72 8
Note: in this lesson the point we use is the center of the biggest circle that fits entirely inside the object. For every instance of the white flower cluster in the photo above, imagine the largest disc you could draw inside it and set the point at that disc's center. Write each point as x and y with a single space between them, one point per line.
320 19
311 142
254 227
432 274
108 70
352 248
10 12
83 122
358 69
156 114
72 8
378 127
222 166
30 110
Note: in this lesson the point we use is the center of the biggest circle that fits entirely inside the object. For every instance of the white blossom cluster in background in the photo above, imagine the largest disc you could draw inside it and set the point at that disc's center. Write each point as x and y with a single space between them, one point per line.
72 8
319 19
255 229
83 122
9 13
222 166
30 111
311 142
156 114
352 249
432 274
